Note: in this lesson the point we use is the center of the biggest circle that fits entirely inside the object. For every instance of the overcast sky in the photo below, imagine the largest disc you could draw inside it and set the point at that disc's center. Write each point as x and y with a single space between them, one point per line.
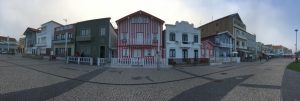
273 21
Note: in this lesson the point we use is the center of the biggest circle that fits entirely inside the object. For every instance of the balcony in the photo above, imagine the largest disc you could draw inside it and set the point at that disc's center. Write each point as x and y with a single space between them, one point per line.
83 38
41 44
242 47
186 44
61 41
226 45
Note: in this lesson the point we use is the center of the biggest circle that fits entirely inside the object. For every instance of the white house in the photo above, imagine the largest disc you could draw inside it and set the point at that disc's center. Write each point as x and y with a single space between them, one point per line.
182 43
45 36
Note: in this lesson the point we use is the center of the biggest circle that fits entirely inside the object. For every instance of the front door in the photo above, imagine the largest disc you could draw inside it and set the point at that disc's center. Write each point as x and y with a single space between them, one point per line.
102 51
185 53
196 54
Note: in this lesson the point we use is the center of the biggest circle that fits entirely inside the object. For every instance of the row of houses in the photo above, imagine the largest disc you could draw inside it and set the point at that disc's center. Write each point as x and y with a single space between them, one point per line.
7 44
140 40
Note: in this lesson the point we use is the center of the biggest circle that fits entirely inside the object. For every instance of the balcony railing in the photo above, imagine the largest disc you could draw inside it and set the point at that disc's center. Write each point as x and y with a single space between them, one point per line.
83 38
226 45
186 44
62 41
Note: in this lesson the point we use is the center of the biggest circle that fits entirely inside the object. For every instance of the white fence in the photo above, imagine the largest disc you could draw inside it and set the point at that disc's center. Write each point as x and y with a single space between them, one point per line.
225 59
149 62
101 61
80 60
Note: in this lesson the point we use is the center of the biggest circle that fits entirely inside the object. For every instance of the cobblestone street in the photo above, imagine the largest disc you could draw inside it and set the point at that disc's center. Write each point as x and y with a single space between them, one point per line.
24 79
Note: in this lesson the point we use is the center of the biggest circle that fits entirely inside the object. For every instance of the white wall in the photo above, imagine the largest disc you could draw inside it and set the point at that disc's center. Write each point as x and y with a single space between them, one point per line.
48 33
179 28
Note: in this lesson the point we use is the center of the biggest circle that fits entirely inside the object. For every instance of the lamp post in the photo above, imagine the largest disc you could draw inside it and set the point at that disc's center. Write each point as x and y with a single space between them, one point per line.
296 30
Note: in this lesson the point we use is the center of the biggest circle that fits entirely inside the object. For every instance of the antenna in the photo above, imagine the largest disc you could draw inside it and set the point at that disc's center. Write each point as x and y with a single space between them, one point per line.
66 20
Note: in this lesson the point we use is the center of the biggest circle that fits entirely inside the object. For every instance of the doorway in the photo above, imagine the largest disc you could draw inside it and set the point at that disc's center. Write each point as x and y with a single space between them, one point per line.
102 51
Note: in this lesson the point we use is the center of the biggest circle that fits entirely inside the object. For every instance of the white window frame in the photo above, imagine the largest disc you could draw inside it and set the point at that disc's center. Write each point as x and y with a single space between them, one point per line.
102 31
125 52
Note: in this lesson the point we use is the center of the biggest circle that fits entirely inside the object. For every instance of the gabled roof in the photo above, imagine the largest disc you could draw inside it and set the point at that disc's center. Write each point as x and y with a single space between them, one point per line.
29 29
53 22
231 15
140 12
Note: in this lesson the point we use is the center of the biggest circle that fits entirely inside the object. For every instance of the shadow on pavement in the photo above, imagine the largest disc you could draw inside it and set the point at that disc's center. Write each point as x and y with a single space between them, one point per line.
290 89
51 91
212 91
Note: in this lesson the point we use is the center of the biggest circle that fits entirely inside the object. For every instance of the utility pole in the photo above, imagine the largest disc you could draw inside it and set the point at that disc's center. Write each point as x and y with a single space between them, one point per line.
296 30
7 44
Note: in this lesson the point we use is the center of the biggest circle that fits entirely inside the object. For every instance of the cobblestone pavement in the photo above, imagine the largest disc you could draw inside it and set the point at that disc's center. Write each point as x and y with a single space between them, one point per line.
24 79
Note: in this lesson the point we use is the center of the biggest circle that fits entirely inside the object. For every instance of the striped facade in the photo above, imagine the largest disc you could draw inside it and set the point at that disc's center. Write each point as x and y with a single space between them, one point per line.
139 36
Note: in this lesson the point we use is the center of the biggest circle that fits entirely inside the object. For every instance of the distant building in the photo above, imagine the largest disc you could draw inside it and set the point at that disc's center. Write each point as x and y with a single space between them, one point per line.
44 38
62 35
7 44
251 46
182 43
30 40
21 45
95 38
207 49
259 49
222 45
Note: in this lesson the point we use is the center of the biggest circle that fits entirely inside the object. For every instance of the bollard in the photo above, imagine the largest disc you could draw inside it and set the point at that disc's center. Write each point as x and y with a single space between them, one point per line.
67 60
78 60
91 61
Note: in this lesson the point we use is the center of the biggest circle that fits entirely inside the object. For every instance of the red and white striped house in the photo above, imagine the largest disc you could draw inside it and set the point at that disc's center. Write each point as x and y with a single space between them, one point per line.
140 40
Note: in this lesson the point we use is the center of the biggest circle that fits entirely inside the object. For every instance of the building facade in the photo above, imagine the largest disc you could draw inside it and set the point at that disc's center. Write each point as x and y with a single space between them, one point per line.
182 43
232 24
207 49
140 38
45 36
222 43
64 36
21 45
95 38
30 41
8 45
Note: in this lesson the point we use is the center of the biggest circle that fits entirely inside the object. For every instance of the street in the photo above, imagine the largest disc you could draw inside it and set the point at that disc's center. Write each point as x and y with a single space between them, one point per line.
24 79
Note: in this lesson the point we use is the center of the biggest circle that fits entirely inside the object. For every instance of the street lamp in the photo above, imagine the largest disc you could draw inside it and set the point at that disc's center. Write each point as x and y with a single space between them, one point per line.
296 30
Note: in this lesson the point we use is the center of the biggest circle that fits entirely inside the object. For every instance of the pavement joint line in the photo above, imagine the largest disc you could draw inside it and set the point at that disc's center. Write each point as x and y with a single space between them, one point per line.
126 84
261 86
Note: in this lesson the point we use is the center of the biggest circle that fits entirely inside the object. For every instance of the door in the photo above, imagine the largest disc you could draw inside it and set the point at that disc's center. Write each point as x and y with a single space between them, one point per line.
196 55
137 53
140 38
185 53
102 51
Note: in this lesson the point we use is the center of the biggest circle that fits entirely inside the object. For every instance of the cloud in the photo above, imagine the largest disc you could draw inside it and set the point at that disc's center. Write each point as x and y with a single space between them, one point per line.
262 17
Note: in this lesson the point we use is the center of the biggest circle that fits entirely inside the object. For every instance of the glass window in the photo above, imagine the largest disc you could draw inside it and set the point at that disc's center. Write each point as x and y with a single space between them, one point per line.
102 31
184 37
172 53
125 52
172 36
196 38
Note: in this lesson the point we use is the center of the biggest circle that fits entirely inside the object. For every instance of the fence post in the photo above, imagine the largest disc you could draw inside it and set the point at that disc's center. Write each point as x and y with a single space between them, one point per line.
91 61
67 60
78 60
98 61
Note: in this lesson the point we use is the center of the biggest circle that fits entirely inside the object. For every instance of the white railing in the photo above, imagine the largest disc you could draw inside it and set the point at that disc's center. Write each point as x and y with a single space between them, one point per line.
151 62
100 61
225 59
80 60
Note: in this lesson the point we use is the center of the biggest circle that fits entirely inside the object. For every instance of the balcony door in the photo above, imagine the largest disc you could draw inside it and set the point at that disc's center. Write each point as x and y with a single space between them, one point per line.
139 38
102 51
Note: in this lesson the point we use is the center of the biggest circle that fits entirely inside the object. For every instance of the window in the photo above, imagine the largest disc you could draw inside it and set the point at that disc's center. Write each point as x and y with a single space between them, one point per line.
85 32
148 52
154 37
102 31
124 36
62 36
172 53
196 38
184 37
172 36
57 37
140 20
69 35
125 52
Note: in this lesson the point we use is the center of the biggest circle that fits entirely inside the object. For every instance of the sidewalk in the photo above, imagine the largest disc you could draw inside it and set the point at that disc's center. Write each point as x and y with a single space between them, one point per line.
291 86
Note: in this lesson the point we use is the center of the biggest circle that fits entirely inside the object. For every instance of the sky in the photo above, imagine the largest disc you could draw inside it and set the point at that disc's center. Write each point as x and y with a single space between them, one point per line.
272 21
